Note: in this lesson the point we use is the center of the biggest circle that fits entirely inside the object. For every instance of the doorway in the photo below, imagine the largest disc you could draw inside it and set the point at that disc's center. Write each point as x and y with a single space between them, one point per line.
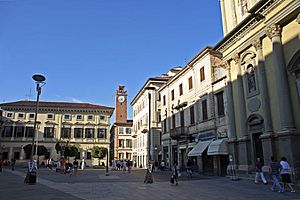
257 147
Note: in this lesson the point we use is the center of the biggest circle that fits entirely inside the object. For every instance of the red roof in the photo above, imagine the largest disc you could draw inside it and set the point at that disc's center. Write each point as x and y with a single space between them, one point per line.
55 105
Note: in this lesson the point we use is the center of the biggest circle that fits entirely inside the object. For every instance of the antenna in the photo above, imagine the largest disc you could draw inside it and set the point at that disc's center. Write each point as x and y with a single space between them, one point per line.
28 96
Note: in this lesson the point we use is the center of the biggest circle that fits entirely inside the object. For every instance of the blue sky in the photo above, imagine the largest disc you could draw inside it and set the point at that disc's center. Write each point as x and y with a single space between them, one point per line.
86 48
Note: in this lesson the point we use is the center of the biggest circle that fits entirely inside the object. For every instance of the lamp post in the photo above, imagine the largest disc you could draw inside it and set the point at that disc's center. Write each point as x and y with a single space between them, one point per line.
149 88
39 80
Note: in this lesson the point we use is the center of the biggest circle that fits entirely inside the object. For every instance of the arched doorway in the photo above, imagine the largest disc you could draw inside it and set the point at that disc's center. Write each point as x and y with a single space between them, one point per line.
255 129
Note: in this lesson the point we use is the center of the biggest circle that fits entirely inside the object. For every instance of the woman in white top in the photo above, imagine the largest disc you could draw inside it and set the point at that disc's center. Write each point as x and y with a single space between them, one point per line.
285 174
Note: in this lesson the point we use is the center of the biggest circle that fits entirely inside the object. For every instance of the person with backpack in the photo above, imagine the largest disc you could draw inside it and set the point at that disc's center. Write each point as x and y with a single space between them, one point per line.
275 168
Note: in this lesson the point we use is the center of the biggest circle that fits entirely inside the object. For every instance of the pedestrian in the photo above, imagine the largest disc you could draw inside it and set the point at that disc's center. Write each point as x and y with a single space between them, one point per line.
75 166
259 172
1 163
162 165
156 165
285 174
12 163
189 168
175 172
274 172
148 176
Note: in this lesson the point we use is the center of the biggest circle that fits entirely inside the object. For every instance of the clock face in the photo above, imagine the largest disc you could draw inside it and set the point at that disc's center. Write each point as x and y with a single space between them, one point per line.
121 99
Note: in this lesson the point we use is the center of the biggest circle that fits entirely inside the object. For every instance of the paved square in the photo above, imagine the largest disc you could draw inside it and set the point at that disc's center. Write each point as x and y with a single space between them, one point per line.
120 185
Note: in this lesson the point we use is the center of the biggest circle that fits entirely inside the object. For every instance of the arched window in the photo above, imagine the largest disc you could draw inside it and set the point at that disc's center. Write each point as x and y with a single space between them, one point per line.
294 68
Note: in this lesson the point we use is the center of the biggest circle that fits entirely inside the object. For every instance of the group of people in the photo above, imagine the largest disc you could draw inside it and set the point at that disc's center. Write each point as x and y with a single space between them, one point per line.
124 165
276 169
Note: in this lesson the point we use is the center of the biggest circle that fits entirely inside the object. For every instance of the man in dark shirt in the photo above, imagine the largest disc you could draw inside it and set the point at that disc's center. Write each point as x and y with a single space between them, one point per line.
274 172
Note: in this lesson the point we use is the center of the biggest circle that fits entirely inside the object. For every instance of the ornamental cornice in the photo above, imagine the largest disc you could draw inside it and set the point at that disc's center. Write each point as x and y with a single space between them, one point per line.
256 18
273 31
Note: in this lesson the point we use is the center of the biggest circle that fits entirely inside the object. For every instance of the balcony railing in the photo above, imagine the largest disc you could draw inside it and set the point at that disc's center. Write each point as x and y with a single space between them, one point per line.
178 132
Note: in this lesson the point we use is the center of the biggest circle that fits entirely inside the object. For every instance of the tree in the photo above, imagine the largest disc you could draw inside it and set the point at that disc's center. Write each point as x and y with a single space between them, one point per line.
41 151
70 151
99 152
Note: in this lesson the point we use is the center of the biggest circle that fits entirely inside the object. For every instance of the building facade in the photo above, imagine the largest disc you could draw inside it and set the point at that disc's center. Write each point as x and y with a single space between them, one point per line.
121 139
146 121
261 52
193 114
81 124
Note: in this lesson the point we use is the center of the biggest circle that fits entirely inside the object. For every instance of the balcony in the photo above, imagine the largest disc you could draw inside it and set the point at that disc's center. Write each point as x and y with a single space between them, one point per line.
178 132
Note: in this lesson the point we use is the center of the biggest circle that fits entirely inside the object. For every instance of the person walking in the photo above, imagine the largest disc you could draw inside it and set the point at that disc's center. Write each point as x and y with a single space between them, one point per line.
285 174
189 171
259 172
175 172
274 172
162 165
75 166
12 163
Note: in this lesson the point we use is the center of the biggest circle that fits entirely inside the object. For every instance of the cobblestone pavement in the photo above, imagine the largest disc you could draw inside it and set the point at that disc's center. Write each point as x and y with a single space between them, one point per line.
119 185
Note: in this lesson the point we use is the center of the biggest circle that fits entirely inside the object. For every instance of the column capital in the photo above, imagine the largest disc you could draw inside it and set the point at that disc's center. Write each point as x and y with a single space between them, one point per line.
236 58
273 31
257 44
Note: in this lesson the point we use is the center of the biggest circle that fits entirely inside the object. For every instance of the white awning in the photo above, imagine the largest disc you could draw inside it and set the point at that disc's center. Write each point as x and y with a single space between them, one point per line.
218 147
199 148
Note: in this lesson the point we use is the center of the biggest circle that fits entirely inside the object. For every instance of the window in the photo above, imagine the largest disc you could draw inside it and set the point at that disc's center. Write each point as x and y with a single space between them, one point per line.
204 110
88 155
90 117
78 132
102 117
172 95
180 90
50 116
101 133
190 83
65 132
29 132
89 133
129 143
67 117
165 125
7 132
49 132
9 115
121 143
164 100
128 130
121 130
31 116
79 117
192 115
182 118
21 115
19 131
173 121
202 75
220 103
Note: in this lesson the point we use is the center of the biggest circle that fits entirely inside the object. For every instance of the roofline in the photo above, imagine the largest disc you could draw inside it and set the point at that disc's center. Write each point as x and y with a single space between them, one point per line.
188 65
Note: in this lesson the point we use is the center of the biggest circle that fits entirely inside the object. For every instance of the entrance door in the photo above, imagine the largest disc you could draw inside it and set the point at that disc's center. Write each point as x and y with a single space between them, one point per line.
208 163
258 149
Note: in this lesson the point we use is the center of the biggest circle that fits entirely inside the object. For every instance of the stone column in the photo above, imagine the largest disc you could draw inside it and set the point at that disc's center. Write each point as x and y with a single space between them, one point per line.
241 98
283 91
267 137
243 138
264 87
232 141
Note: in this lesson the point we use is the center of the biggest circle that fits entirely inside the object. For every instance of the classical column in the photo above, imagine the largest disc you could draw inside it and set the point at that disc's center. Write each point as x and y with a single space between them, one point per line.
241 98
230 107
283 91
264 87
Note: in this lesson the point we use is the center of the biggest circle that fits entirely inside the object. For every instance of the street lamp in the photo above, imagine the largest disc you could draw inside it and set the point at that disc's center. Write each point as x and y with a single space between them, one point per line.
39 80
149 88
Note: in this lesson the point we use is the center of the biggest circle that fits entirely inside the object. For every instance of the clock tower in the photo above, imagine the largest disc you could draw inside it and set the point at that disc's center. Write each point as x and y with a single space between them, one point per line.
121 105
